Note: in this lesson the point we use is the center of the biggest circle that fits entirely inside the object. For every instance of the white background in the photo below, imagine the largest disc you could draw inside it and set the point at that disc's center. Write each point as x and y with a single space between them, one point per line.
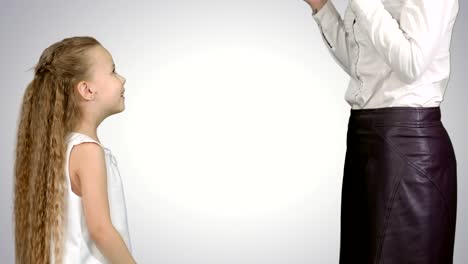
232 143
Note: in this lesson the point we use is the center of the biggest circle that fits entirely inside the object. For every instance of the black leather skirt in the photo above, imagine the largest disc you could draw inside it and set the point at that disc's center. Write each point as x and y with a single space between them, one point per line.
399 193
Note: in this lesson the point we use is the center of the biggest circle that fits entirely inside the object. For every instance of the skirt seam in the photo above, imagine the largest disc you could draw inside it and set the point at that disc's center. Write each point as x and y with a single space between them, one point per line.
418 171
386 222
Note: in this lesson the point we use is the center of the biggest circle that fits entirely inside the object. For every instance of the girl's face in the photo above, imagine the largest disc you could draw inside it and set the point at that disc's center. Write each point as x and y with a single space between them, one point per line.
106 82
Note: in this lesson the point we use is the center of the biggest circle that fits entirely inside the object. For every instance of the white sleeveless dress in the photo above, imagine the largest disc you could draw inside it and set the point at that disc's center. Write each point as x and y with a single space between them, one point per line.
78 246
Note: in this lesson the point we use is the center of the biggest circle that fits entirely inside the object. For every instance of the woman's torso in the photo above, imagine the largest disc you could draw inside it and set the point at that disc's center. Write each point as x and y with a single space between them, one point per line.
374 84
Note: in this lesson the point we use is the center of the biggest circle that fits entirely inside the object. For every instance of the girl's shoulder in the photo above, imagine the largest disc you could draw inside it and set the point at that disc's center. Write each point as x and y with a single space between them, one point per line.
75 141
86 164
78 149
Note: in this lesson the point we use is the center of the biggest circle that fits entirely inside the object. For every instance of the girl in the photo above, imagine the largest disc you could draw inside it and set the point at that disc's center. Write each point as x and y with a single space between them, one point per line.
69 204
399 193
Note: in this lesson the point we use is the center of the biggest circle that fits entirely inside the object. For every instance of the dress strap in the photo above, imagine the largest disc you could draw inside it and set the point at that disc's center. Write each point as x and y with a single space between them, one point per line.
76 138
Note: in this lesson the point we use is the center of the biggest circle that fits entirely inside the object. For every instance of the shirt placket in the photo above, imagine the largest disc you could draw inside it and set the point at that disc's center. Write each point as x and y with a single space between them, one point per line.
355 51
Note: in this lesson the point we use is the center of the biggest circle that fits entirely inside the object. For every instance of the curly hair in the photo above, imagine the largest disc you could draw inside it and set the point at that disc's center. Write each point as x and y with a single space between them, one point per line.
49 111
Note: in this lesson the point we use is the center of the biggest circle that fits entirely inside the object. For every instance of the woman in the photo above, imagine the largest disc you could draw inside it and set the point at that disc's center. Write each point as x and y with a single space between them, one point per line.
399 186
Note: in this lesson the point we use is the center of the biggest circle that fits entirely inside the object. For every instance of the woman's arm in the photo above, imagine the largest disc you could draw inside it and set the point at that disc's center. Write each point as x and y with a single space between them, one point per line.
331 26
409 46
90 167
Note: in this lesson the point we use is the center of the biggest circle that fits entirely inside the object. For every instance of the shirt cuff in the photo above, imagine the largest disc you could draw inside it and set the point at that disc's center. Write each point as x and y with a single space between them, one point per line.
326 15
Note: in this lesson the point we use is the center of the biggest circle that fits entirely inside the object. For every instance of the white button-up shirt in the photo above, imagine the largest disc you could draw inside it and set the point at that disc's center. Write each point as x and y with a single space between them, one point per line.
395 51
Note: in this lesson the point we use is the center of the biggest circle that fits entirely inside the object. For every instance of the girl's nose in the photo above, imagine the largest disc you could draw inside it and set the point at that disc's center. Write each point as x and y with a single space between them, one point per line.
122 79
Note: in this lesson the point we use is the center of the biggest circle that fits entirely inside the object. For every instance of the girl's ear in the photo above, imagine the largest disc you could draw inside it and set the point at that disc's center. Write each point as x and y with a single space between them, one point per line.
85 91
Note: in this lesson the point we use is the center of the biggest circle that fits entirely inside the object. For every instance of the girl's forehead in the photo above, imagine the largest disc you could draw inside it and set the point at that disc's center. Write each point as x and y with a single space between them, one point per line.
101 56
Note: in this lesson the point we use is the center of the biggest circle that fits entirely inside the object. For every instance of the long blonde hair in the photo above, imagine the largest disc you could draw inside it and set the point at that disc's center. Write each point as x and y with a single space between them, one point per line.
49 112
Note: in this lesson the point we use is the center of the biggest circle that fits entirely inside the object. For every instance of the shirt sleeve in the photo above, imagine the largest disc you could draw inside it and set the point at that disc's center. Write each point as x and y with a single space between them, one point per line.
332 28
410 45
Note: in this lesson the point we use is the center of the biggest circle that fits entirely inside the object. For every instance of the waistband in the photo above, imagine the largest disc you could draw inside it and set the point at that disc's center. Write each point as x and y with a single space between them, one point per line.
396 114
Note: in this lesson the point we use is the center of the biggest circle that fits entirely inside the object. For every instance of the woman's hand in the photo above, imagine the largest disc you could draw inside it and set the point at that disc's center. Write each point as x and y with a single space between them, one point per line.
316 5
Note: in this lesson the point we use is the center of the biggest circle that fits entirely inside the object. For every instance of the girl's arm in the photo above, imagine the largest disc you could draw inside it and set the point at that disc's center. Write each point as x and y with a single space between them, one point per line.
410 45
332 28
90 167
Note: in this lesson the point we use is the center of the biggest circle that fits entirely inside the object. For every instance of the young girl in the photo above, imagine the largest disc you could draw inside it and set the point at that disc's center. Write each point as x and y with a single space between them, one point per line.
69 202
